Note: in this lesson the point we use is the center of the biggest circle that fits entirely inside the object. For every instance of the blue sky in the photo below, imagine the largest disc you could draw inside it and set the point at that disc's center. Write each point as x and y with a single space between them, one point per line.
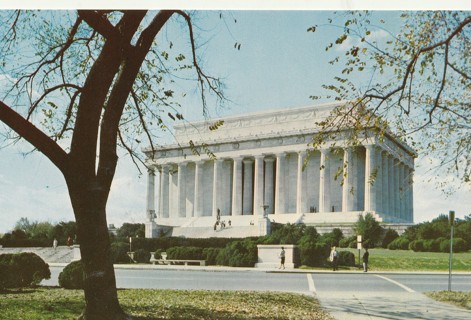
279 65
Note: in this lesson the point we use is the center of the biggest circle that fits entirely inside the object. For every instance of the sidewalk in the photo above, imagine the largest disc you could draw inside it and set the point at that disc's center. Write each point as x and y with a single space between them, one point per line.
383 305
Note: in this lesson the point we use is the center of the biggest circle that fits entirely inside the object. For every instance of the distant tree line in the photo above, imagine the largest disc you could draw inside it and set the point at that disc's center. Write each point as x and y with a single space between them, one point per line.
28 233
313 247
434 236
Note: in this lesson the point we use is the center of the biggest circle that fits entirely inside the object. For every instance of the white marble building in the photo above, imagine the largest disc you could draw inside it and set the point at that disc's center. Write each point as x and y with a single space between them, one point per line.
261 165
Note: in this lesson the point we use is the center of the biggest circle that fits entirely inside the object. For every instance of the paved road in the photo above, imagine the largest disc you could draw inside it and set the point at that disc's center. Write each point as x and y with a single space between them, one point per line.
349 296
212 279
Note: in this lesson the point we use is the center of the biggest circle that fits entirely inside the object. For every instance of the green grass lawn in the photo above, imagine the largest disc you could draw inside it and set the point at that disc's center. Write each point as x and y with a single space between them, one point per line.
56 304
407 260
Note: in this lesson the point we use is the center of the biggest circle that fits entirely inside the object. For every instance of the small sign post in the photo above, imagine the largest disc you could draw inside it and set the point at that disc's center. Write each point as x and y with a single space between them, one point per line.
451 220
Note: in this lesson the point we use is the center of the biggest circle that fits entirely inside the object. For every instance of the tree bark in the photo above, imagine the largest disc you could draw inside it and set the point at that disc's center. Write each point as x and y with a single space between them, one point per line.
89 203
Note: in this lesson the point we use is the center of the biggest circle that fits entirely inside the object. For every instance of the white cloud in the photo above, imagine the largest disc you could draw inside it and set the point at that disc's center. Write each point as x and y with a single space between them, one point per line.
375 36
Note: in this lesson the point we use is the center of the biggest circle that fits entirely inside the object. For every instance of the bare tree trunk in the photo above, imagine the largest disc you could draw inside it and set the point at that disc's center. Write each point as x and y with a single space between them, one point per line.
101 298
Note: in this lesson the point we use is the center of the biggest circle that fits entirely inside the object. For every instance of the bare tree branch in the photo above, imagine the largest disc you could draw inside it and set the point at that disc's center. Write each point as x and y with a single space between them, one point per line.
142 120
99 23
34 136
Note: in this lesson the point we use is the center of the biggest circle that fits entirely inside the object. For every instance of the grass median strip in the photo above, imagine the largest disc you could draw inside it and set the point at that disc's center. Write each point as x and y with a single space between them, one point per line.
146 304
457 298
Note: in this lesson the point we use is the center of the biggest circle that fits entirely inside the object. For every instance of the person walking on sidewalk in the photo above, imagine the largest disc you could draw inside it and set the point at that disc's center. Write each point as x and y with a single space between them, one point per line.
334 257
282 258
366 256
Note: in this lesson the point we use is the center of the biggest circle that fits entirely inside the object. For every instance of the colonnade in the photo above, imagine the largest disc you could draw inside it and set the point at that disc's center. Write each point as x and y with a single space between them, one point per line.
366 178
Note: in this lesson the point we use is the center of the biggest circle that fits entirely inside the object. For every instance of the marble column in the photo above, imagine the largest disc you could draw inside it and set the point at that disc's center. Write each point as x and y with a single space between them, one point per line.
385 184
391 189
198 189
150 195
411 196
404 191
403 188
347 188
300 186
269 185
181 191
247 201
164 192
396 190
370 178
217 186
237 187
258 186
173 192
324 182
379 180
280 202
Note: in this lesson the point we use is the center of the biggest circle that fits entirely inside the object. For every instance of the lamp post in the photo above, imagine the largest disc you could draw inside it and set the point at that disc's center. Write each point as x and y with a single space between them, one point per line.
451 220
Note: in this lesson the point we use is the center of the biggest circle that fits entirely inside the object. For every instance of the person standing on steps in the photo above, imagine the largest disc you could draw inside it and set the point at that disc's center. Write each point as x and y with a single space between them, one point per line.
54 243
366 256
282 258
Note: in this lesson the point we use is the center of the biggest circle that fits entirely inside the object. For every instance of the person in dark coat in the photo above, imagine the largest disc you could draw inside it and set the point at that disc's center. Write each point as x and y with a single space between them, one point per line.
366 256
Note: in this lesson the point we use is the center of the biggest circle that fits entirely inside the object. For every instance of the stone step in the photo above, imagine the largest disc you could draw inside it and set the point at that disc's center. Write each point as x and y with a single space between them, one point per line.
209 232
61 254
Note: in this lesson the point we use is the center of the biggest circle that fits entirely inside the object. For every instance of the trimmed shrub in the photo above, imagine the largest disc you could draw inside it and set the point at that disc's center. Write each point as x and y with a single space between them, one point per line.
72 276
345 242
354 244
158 254
119 252
346 258
185 253
459 245
417 246
315 255
285 233
25 243
312 248
333 238
433 245
141 256
210 255
389 236
164 243
400 243
22 270
238 254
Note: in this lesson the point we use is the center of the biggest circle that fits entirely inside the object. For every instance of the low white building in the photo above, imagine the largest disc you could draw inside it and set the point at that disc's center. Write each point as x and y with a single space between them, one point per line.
262 163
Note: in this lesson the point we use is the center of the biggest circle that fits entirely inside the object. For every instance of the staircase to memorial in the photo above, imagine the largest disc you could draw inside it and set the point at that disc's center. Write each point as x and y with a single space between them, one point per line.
61 254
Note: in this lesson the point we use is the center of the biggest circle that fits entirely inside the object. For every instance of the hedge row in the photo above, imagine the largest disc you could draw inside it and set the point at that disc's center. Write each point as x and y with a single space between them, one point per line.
235 254
438 245
25 243
22 270
164 243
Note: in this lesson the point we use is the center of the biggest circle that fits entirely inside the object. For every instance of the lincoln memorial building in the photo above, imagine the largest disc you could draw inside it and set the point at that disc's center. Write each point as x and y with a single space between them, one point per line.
250 170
